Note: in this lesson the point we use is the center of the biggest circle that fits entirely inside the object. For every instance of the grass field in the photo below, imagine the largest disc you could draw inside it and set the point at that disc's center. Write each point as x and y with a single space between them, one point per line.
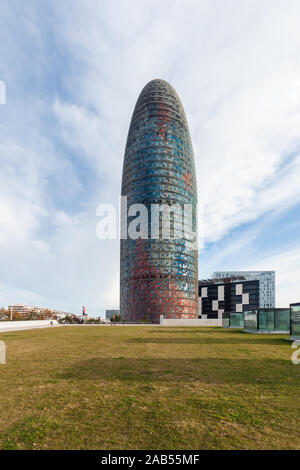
148 388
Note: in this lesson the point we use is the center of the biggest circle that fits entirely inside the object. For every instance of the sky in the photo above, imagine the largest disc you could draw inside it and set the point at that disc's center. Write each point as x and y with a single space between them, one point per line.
73 71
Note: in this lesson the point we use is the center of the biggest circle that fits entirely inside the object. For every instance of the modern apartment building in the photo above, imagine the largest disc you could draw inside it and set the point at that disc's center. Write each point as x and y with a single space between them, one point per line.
40 312
266 284
230 295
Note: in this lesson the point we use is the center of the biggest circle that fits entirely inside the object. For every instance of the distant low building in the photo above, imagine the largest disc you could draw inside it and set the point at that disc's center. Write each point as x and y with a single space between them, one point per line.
84 317
111 313
27 311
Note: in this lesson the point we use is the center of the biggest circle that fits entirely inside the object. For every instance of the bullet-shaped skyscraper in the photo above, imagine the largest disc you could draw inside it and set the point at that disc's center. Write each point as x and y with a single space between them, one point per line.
159 274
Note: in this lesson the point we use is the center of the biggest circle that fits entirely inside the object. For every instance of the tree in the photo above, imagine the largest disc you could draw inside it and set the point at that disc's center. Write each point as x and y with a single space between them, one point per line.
116 318
4 314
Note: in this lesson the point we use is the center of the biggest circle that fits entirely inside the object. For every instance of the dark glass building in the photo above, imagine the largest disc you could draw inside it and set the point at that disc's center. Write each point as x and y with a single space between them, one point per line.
217 297
158 276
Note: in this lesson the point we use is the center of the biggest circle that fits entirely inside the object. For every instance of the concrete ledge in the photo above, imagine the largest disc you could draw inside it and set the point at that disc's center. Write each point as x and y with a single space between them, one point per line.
259 332
109 324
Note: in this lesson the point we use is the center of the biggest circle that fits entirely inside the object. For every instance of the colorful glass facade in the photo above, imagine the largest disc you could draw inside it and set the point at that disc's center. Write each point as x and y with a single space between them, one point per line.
159 276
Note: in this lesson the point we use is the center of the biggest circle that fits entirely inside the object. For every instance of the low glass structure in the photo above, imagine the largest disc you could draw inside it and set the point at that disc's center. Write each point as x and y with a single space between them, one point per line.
267 320
233 320
236 320
250 320
295 321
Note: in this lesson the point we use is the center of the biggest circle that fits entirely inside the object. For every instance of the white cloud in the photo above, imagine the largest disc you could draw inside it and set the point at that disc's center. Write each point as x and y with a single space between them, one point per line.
72 82
287 266
235 73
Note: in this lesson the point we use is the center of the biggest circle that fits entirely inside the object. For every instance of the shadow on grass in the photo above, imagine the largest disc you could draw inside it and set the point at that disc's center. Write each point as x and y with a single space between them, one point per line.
188 329
210 331
176 371
262 340
197 331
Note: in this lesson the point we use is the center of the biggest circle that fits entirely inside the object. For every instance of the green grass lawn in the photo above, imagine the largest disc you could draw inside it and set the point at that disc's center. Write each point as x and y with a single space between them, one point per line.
148 388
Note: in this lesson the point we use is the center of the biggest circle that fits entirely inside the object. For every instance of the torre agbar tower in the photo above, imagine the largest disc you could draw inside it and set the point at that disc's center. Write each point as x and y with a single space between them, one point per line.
159 276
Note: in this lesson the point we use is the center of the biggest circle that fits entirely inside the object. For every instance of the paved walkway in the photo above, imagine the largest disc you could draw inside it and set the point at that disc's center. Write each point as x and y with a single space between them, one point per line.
19 328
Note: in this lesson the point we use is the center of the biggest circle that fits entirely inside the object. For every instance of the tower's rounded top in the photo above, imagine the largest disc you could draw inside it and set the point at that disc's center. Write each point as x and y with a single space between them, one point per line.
159 85
158 82
160 93
159 131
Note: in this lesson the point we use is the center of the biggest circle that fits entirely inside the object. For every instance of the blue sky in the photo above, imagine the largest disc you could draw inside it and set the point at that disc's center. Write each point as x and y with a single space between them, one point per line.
73 71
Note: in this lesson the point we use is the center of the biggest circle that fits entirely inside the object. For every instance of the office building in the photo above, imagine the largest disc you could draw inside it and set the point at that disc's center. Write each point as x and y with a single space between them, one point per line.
159 275
111 313
219 296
